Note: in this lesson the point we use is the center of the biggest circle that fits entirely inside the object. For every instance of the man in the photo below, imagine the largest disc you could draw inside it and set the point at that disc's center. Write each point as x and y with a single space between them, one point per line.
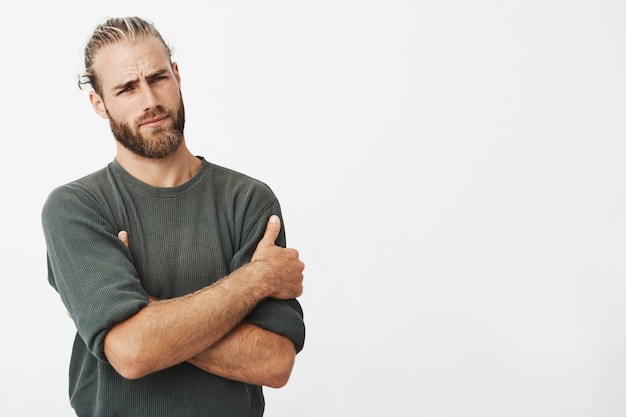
173 269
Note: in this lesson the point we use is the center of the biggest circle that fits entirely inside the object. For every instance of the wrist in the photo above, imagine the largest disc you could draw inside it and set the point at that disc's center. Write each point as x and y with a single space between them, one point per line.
259 274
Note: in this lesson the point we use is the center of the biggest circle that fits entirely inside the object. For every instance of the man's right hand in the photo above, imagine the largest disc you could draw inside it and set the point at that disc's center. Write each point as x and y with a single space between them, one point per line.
281 267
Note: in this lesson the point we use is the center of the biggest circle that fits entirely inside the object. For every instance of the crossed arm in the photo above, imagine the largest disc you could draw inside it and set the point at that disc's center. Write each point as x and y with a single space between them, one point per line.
206 329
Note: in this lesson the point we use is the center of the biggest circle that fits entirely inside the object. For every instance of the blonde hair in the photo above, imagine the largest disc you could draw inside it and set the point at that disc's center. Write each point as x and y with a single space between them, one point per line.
113 31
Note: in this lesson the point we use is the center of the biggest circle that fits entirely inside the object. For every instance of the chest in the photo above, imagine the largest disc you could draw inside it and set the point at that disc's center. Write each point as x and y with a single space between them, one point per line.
180 247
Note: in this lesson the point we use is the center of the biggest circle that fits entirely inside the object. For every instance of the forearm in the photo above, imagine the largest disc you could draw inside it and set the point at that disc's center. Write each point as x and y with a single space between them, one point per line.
169 332
249 354
165 333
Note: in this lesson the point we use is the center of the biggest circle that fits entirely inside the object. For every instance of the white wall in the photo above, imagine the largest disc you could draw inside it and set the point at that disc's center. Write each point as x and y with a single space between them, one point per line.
452 173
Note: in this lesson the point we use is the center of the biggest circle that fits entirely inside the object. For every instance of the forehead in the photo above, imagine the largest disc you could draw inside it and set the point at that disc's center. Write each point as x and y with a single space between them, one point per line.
124 61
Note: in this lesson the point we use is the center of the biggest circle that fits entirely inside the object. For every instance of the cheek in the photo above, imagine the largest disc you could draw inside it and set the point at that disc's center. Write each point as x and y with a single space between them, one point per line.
121 115
123 110
121 119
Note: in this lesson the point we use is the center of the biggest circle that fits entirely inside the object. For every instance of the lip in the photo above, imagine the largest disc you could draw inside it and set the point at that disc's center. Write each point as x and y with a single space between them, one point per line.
154 122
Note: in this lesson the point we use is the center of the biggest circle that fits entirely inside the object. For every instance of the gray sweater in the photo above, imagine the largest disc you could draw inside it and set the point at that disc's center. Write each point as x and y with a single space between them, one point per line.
181 239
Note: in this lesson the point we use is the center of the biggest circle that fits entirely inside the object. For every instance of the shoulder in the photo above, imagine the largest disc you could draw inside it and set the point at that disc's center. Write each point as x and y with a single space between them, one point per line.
84 192
245 195
236 181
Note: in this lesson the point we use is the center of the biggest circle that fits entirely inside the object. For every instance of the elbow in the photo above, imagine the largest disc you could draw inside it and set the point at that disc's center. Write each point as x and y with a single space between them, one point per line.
130 370
278 381
128 360
281 371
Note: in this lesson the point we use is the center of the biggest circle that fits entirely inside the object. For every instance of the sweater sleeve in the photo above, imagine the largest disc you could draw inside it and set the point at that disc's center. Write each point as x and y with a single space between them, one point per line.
284 317
88 265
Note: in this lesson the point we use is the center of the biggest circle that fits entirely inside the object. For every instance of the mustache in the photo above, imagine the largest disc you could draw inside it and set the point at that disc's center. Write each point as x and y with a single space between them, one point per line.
158 111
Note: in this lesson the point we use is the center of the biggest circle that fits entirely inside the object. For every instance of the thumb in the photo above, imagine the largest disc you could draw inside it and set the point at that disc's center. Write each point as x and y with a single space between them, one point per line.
123 236
271 231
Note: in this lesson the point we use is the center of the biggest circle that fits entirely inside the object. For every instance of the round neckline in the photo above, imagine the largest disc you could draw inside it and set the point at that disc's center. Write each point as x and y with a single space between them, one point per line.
167 192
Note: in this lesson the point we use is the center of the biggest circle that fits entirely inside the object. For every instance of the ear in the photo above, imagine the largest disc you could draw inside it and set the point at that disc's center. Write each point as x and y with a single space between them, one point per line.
176 73
98 104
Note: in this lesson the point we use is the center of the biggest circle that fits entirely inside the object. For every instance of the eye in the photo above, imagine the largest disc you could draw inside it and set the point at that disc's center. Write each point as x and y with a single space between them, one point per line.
124 90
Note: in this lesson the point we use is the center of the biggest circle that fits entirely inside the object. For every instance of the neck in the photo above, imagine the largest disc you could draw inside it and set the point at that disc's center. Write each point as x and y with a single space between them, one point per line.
170 171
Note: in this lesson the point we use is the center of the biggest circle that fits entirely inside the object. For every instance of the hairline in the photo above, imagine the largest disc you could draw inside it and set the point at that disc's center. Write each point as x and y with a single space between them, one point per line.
169 65
115 31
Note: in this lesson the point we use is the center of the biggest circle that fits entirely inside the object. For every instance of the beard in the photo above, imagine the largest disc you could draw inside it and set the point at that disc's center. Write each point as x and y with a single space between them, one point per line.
161 141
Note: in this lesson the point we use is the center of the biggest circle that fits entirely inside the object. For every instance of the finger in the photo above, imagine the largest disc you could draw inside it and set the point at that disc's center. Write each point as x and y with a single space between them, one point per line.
123 236
271 231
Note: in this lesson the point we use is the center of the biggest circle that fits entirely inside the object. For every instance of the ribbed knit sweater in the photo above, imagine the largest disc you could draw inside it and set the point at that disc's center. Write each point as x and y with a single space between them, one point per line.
181 239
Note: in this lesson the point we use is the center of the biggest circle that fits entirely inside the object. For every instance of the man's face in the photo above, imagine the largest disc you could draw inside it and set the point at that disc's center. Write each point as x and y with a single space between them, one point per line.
140 95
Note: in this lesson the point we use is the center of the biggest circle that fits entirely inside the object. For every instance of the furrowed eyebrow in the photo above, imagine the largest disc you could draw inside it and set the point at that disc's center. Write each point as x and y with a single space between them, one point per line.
125 85
158 73
133 82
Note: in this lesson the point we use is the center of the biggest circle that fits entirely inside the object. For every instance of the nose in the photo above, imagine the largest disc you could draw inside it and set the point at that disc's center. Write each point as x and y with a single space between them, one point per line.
149 99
